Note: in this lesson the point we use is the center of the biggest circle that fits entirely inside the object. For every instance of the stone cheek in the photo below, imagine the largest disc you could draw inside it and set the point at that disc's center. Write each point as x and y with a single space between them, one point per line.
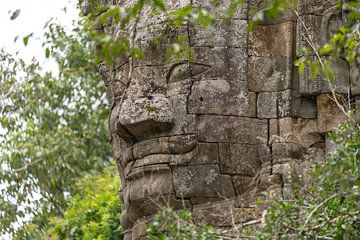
214 128
202 180
222 98
242 159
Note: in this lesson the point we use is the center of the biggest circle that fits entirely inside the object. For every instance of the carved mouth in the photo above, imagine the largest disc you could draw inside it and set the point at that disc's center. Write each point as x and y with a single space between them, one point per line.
172 150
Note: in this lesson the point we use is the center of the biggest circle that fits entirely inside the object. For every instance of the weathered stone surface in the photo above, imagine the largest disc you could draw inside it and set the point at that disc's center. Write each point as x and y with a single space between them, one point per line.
197 201
309 86
283 16
305 131
151 146
204 153
153 41
319 28
232 129
141 208
150 182
242 159
303 107
329 114
266 74
144 116
286 150
274 104
152 160
357 109
265 41
220 8
201 180
243 184
316 7
182 144
225 63
184 123
355 77
223 98
225 33
217 214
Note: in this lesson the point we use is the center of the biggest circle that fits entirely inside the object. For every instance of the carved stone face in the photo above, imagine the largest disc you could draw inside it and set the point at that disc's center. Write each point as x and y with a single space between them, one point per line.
190 132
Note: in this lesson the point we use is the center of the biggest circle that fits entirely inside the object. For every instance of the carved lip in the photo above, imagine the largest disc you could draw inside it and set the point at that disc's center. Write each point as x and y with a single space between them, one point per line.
178 144
164 150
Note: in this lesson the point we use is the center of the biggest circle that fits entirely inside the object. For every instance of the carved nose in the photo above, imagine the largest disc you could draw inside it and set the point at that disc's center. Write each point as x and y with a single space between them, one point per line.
146 116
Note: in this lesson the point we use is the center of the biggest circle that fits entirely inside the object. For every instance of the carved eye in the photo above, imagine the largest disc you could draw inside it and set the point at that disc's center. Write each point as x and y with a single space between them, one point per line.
179 72
184 70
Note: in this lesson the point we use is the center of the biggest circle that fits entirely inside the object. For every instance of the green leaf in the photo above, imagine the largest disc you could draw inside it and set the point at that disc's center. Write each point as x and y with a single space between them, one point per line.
15 14
139 53
160 5
26 39
47 52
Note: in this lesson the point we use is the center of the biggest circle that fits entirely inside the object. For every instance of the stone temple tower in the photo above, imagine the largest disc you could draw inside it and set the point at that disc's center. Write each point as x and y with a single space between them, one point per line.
212 133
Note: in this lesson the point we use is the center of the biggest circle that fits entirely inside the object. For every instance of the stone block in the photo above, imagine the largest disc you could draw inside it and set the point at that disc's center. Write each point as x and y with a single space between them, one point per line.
355 77
286 150
357 109
284 16
320 84
220 8
224 33
224 63
201 181
197 201
145 207
315 7
267 74
329 114
204 153
153 40
150 182
151 146
264 41
222 97
302 107
184 123
274 104
243 185
319 27
305 131
242 159
152 160
219 214
182 143
232 129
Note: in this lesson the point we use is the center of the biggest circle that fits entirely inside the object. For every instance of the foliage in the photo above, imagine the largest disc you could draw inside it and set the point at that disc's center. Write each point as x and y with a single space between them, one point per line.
93 214
53 128
330 207
169 224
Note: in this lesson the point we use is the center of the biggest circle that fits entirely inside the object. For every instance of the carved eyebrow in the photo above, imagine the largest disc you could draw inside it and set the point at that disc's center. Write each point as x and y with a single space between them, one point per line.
190 69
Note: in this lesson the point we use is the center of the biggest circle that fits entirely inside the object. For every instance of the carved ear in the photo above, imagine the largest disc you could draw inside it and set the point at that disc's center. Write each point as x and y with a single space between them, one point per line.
184 70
